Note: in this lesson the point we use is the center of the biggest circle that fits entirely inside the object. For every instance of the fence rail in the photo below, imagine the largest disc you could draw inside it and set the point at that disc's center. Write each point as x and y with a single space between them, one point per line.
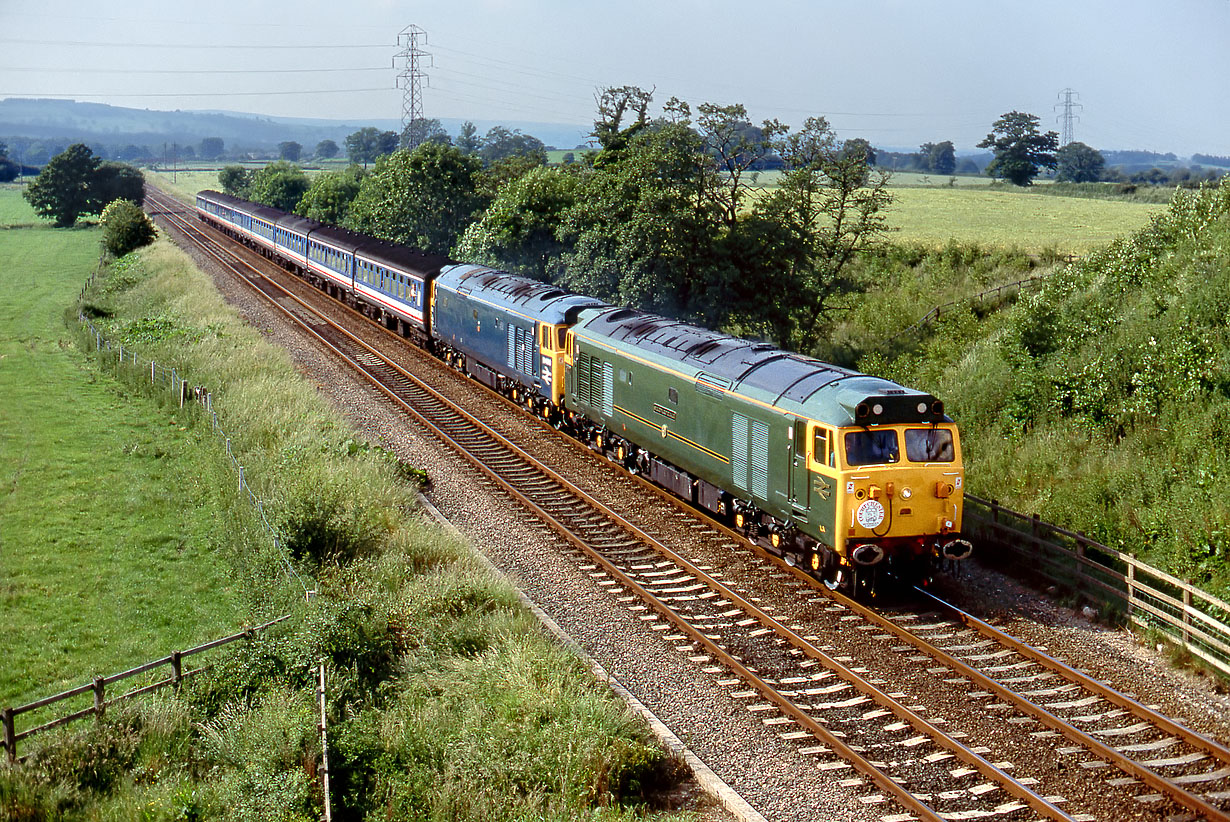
98 686
974 300
1147 597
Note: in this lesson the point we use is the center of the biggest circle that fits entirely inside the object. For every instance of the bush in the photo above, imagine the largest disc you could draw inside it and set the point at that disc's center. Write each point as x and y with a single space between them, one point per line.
126 228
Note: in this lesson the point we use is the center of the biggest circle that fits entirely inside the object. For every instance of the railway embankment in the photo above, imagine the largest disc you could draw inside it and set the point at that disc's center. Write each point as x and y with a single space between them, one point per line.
444 696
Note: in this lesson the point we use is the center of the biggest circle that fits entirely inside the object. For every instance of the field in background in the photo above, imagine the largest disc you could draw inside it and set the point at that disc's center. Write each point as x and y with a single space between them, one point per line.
1005 219
929 214
104 533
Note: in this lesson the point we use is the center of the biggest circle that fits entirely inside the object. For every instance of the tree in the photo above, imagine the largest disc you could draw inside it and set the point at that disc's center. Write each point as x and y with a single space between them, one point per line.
9 170
1078 163
1020 149
116 181
126 227
518 231
62 189
419 131
735 146
939 158
642 231
211 148
329 197
828 208
424 198
569 158
368 144
235 180
615 104
327 149
501 143
290 150
280 185
467 139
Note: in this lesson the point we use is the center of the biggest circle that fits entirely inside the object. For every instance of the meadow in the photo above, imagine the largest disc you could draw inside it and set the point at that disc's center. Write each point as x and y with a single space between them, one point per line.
104 538
1006 218
110 497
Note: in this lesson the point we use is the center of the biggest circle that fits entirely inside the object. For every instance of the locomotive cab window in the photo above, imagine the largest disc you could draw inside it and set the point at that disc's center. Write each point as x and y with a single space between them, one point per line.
820 446
929 445
872 447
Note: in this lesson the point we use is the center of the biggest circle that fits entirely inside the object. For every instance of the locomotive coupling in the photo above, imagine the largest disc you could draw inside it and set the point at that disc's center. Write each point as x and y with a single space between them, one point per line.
957 549
867 554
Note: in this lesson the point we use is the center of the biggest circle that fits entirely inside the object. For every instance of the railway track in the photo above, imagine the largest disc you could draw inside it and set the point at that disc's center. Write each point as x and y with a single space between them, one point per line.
845 720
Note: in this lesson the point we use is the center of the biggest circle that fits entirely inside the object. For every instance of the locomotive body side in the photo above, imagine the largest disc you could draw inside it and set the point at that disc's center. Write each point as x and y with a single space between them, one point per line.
506 331
774 440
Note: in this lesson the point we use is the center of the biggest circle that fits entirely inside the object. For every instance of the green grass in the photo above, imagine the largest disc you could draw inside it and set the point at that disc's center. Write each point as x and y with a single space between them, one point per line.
1007 219
103 534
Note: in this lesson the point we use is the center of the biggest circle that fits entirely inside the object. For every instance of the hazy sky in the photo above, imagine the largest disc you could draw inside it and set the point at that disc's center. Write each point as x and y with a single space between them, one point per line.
1149 75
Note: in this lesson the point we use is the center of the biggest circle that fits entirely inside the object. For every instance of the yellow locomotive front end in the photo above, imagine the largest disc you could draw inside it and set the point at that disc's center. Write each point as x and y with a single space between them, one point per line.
899 497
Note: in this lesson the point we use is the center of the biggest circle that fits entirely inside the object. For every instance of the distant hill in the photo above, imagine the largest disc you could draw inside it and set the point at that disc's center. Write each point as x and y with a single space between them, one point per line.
68 120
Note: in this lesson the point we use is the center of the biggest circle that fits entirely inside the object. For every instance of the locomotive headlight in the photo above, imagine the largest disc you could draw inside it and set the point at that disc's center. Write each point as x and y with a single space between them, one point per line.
870 514
906 493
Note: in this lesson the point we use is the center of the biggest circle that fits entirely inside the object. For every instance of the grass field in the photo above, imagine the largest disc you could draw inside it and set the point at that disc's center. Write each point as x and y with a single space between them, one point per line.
933 216
103 531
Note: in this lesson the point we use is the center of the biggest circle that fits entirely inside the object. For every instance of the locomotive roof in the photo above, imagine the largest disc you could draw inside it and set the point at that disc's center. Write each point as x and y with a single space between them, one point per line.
790 381
542 302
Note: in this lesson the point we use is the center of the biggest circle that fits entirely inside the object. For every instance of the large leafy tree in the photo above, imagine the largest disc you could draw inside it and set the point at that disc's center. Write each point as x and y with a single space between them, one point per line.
939 158
500 144
117 181
327 149
1078 163
75 183
329 197
643 232
828 209
235 180
1021 151
211 148
423 130
63 190
279 184
424 198
290 150
518 231
369 144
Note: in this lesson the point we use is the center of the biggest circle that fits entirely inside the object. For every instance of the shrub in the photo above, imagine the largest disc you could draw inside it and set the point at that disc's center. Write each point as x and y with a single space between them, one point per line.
126 228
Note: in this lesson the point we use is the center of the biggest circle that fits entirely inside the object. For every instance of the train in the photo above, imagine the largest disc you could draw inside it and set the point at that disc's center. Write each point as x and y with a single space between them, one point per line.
856 479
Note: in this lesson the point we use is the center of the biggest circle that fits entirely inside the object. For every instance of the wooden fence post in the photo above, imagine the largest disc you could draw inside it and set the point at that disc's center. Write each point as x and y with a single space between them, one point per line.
1187 614
177 671
10 733
995 511
100 700
183 392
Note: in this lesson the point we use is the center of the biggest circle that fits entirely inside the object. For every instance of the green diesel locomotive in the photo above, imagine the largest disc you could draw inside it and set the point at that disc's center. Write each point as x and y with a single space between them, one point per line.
854 477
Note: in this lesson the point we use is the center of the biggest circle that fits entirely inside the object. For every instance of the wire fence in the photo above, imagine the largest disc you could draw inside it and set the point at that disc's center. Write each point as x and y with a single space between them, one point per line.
1145 596
171 380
